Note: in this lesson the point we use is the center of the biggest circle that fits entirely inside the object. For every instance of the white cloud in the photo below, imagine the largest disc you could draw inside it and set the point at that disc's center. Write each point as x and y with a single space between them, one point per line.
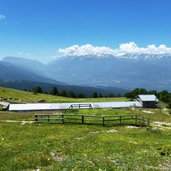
85 50
124 48
132 47
2 17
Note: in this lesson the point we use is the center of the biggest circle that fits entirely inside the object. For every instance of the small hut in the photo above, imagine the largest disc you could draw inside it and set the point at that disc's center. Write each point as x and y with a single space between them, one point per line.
148 101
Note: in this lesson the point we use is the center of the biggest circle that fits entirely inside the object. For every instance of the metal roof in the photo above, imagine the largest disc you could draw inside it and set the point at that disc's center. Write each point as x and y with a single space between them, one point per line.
57 106
148 98
4 104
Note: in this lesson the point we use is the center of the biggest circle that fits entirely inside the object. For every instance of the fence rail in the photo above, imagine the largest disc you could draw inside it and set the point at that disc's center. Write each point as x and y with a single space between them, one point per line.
80 106
111 120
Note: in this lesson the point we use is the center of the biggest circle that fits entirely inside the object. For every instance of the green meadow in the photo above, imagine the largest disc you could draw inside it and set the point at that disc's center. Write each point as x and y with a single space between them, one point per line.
17 96
28 146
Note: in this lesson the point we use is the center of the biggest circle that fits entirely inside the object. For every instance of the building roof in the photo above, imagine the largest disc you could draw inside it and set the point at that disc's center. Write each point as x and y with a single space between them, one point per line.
4 104
34 106
148 98
58 106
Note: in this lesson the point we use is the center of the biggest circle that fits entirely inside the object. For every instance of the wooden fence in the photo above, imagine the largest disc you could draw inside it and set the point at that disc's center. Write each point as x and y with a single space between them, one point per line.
80 106
109 120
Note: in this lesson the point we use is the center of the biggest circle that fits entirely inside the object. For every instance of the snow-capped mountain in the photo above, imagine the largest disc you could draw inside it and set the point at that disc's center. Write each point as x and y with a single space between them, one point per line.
129 71
126 71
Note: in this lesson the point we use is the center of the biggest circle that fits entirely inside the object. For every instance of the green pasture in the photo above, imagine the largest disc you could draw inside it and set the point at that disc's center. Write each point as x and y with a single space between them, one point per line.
29 146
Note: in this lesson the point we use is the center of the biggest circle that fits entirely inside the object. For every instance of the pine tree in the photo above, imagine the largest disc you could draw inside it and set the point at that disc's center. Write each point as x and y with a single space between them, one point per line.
71 94
95 95
81 95
54 91
37 89
64 93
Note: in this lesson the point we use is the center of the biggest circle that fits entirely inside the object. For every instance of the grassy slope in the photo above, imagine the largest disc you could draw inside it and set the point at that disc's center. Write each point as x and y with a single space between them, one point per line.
77 147
23 96
81 147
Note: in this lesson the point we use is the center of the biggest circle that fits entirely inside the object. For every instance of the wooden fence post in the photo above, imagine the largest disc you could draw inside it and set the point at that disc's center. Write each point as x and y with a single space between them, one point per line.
82 119
120 119
36 118
62 119
103 121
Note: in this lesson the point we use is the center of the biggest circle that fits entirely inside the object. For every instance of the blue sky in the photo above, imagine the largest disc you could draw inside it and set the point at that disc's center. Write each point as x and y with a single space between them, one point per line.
38 28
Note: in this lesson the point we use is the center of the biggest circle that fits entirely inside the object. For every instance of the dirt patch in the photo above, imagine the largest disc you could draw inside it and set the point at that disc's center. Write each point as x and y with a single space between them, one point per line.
57 156
146 111
132 127
97 132
167 124
26 122
162 125
15 121
111 131
108 131
9 121
165 166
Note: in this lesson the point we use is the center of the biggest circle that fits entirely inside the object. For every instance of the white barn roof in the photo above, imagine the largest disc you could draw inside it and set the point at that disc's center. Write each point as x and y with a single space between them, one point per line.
148 98
58 106
33 106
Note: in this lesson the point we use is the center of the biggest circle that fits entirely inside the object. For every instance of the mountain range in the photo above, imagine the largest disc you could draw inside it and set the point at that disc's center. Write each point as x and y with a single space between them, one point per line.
24 74
126 72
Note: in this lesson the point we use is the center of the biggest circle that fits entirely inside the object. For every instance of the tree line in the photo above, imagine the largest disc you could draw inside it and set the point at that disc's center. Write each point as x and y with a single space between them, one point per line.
54 91
163 95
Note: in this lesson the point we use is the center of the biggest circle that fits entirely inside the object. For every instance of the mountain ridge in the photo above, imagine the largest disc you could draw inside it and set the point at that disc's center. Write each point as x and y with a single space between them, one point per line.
47 87
127 72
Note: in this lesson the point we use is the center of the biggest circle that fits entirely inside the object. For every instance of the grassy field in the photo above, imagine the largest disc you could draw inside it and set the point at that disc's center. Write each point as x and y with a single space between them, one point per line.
76 147
25 145
17 96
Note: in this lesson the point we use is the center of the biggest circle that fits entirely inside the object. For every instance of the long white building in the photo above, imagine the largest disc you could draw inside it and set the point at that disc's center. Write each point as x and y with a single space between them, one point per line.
60 106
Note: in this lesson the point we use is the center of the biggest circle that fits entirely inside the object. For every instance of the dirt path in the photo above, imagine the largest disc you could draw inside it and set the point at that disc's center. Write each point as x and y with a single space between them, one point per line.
15 114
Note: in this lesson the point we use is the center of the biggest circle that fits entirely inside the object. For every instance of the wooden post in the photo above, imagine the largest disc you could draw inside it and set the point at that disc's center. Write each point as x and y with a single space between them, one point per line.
36 118
48 119
62 120
82 119
103 121
120 119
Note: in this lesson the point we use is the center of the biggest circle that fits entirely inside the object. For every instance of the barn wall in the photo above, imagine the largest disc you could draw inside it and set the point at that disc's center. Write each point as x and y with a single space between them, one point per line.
150 104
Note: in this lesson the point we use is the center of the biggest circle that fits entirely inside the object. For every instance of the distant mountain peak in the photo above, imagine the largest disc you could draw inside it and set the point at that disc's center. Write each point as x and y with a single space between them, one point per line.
151 71
19 59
